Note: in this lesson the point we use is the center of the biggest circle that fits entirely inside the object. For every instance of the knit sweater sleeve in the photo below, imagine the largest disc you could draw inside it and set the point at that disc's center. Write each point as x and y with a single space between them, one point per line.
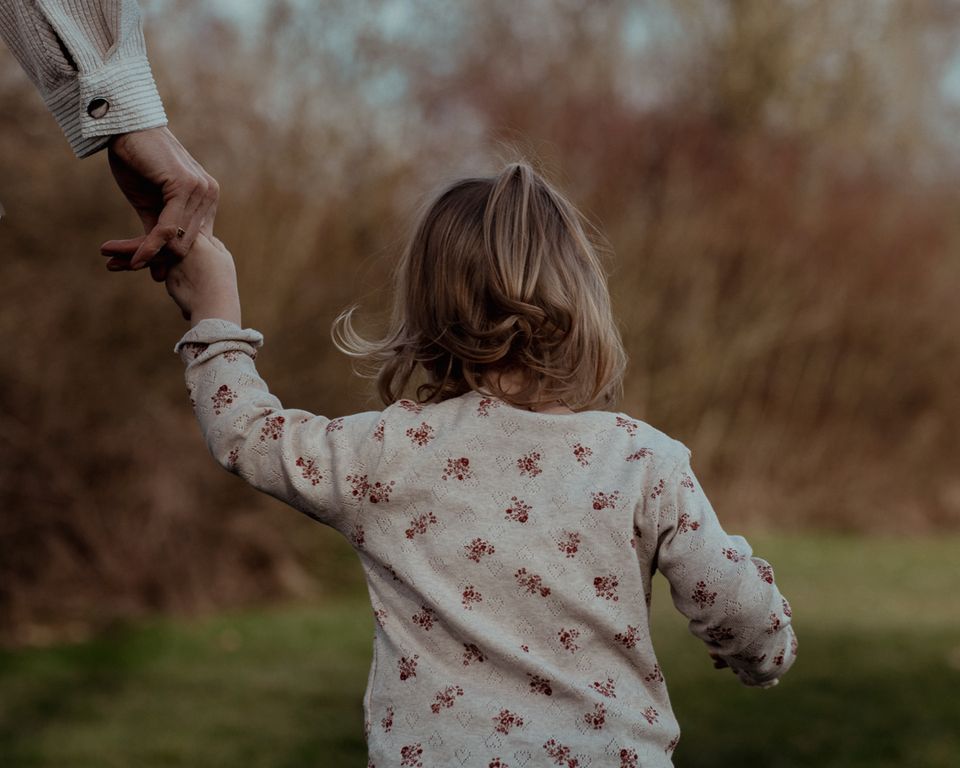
89 62
316 464
728 595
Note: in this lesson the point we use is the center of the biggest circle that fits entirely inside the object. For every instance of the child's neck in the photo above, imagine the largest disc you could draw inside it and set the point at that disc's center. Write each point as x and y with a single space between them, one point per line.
512 382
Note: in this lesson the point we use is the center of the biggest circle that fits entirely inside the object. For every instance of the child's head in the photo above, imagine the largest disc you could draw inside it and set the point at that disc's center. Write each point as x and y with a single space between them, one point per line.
498 278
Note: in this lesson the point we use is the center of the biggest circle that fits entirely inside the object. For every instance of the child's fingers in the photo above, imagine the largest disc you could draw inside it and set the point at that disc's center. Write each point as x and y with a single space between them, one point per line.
718 663
158 270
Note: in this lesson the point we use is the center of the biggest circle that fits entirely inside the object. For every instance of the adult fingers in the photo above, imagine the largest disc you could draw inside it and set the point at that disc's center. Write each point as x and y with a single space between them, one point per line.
119 253
153 242
192 207
121 248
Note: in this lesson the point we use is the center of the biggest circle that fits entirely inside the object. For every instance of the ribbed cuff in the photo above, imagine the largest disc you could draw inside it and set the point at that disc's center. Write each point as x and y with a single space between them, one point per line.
126 85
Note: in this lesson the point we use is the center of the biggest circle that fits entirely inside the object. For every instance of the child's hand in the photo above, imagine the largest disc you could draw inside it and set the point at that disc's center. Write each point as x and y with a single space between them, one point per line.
204 283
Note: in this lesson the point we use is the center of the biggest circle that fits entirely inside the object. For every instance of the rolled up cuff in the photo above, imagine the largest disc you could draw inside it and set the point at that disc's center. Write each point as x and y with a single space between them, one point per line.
212 337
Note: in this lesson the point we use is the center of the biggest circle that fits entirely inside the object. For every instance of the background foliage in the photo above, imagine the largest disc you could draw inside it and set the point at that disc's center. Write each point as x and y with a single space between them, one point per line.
777 182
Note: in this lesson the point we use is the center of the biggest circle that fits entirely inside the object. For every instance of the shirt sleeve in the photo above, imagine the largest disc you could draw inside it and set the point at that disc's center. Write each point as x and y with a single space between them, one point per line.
89 62
728 595
316 464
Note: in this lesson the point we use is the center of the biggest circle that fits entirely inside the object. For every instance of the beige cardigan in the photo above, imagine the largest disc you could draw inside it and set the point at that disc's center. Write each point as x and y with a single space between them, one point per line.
88 59
508 556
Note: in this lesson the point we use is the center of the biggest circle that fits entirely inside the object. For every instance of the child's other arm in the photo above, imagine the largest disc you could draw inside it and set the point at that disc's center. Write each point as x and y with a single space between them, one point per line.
729 596
300 458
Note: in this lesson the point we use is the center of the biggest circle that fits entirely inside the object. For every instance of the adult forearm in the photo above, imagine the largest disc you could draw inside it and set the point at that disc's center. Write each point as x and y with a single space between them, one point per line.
89 63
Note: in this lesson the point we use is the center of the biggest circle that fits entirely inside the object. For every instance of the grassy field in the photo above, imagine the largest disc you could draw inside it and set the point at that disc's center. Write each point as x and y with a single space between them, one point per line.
876 683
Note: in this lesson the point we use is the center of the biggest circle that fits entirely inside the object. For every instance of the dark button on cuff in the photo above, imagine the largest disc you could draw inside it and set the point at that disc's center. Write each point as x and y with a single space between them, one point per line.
98 108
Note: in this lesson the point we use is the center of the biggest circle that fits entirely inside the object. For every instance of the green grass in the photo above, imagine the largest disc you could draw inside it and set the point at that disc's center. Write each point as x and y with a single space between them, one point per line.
877 682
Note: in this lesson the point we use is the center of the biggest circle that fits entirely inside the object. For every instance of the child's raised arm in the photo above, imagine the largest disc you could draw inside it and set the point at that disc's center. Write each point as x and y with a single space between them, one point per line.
729 596
305 460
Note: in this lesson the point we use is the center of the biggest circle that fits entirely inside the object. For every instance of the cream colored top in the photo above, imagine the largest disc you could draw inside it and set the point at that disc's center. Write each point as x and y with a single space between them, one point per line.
508 556
88 59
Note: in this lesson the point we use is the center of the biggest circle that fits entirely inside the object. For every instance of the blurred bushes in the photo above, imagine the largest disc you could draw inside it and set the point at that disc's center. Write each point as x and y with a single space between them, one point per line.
776 182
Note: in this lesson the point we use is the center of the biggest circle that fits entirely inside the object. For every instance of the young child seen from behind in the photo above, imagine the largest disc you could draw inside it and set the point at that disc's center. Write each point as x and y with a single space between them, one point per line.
508 527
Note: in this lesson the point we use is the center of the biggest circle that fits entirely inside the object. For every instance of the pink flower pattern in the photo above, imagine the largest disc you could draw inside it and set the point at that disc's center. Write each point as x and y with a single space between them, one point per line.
702 596
540 685
408 666
477 549
309 470
733 555
424 618
605 688
628 424
470 597
485 405
471 653
560 754
764 571
602 500
597 718
655 676
518 511
446 698
529 464
458 469
684 524
505 721
531 583
421 435
272 428
410 756
377 492
222 398
582 454
606 587
568 542
629 638
419 524
568 639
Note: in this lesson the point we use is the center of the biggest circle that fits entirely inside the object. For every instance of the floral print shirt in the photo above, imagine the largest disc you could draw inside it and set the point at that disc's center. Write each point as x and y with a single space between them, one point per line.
508 556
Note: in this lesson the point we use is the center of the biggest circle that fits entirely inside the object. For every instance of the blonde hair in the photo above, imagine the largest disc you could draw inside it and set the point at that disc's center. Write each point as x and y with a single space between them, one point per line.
499 277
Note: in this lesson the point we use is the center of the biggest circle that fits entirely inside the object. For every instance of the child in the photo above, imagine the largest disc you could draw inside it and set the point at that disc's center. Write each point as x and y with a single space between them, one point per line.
508 532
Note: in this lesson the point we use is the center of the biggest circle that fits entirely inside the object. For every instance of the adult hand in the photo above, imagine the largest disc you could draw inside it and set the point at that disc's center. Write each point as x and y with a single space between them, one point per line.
173 195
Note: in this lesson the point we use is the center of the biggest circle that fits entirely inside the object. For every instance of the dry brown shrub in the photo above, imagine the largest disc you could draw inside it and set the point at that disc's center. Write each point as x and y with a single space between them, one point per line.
784 269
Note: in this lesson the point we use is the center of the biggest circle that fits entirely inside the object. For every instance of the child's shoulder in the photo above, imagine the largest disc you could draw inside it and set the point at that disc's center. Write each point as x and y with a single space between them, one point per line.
650 441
